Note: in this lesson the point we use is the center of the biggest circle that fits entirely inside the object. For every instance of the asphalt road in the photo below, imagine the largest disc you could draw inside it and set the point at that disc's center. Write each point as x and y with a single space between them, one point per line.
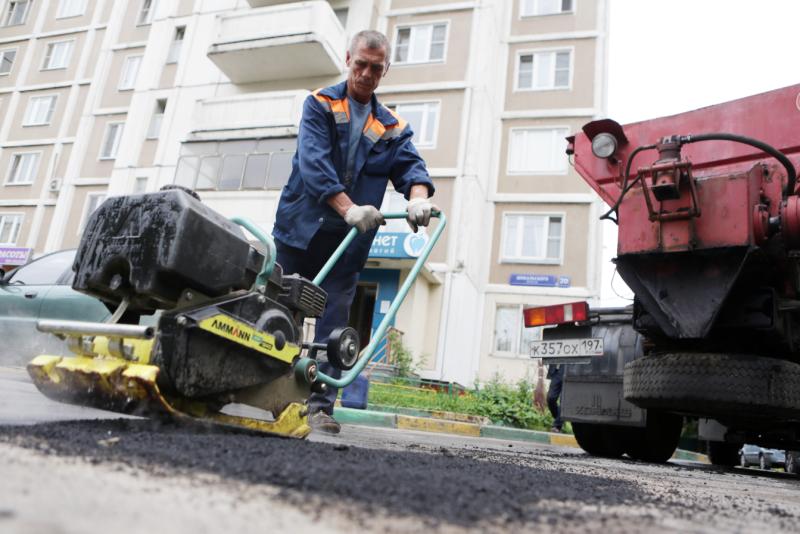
71 472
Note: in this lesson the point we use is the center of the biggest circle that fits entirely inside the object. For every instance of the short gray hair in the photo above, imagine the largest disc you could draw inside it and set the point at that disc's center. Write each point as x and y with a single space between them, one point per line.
372 39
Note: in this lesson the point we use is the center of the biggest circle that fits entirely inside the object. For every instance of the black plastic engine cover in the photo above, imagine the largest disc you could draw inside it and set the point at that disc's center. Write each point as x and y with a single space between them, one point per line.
161 244
301 294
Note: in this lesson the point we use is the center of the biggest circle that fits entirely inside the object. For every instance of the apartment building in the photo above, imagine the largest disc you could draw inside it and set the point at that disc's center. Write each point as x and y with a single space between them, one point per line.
103 97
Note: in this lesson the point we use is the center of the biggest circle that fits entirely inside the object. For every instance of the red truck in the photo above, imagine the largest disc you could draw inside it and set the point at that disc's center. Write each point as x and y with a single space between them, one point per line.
708 216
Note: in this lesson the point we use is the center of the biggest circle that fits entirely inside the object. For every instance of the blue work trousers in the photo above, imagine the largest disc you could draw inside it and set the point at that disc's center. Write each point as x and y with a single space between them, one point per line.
554 396
340 284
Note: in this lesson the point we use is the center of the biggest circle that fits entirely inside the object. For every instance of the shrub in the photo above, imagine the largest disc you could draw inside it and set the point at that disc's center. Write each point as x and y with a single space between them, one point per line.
402 358
511 405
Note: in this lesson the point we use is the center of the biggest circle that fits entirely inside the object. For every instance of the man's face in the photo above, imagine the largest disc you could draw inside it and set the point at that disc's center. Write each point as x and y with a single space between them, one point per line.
366 68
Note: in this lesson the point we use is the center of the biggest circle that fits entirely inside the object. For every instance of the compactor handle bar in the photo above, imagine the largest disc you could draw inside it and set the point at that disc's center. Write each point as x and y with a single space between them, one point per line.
269 265
366 355
272 253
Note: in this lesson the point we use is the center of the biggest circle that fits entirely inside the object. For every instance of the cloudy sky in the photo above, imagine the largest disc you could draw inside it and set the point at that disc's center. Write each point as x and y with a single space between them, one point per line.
669 56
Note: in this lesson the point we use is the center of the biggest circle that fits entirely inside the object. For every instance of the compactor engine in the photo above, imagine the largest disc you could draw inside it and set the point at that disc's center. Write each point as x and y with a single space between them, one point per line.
221 328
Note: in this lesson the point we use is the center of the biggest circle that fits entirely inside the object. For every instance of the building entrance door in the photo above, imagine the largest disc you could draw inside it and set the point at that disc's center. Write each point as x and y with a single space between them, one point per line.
375 292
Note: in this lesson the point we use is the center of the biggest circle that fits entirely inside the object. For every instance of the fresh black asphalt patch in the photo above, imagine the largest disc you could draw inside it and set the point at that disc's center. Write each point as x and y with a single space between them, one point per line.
442 485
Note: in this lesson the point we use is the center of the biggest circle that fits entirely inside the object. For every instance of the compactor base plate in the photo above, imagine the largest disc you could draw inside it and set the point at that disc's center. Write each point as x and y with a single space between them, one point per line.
122 386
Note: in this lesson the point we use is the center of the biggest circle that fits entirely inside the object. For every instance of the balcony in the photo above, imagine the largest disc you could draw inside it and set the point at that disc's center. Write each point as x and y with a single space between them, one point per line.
280 42
269 114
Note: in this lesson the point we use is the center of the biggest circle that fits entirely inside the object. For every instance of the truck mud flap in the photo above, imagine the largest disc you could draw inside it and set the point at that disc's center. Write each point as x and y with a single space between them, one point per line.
683 292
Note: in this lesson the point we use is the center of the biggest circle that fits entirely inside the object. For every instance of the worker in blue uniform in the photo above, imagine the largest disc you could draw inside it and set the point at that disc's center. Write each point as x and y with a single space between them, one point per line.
555 373
348 147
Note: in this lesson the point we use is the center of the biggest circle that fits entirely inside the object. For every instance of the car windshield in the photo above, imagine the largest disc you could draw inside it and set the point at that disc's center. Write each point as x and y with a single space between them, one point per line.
44 271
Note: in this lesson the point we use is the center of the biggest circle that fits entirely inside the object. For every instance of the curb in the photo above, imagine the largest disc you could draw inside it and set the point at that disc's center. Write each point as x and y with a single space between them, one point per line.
352 416
436 414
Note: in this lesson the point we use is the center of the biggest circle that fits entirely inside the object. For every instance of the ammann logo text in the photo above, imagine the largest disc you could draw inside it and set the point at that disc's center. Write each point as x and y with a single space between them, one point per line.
230 330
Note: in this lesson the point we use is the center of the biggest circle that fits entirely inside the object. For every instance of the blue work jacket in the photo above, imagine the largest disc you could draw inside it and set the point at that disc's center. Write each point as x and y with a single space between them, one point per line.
384 153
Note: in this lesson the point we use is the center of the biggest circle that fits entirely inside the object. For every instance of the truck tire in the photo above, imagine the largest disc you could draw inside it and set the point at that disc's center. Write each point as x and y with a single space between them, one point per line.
657 441
714 384
725 454
606 441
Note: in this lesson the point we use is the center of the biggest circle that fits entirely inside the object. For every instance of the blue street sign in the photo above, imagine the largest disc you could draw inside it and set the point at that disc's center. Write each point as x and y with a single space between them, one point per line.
539 280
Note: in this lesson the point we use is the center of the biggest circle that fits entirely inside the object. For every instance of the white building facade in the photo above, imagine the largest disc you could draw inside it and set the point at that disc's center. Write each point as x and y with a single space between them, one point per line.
104 97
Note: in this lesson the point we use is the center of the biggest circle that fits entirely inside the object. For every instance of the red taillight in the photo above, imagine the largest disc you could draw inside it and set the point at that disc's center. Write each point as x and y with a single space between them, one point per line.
557 314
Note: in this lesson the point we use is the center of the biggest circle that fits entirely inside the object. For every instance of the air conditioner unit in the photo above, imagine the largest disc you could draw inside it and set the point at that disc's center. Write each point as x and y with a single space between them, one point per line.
55 185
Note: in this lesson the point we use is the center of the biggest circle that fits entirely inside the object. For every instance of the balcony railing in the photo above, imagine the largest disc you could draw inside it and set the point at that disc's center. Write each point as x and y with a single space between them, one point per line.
273 110
279 42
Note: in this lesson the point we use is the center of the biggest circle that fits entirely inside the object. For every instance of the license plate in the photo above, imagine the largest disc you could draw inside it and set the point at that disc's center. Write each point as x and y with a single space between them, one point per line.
567 348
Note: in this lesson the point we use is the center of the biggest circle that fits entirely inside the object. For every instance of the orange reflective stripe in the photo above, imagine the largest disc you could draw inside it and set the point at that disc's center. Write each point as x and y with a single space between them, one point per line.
373 129
322 99
341 106
401 122
395 129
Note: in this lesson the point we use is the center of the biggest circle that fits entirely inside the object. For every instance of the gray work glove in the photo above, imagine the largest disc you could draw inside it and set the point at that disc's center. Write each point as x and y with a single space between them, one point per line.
419 212
365 218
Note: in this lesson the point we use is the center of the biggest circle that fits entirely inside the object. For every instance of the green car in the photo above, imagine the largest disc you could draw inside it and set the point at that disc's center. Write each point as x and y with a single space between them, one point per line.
41 289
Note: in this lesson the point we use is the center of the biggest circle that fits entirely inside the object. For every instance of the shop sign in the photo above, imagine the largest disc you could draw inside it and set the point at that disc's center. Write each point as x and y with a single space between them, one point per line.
398 245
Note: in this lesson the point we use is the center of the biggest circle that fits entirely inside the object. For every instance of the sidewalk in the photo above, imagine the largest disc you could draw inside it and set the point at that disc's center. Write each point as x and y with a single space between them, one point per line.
443 423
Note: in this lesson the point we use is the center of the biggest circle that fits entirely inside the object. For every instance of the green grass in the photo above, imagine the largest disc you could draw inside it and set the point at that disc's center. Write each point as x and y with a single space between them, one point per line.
503 404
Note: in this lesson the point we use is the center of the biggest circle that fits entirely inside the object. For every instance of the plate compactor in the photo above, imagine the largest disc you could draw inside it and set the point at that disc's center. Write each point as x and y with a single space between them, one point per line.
227 346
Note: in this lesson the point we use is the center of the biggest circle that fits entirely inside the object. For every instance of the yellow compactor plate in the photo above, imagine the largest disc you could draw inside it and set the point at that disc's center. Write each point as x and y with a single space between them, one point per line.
122 386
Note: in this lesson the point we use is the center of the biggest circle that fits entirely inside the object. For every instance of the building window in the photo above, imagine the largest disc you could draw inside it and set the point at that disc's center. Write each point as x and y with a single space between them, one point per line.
93 201
341 14
537 151
177 42
110 145
23 168
236 165
57 55
16 12
9 229
130 70
529 238
146 12
424 120
40 110
70 8
7 60
422 43
158 117
532 8
140 185
510 335
544 70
